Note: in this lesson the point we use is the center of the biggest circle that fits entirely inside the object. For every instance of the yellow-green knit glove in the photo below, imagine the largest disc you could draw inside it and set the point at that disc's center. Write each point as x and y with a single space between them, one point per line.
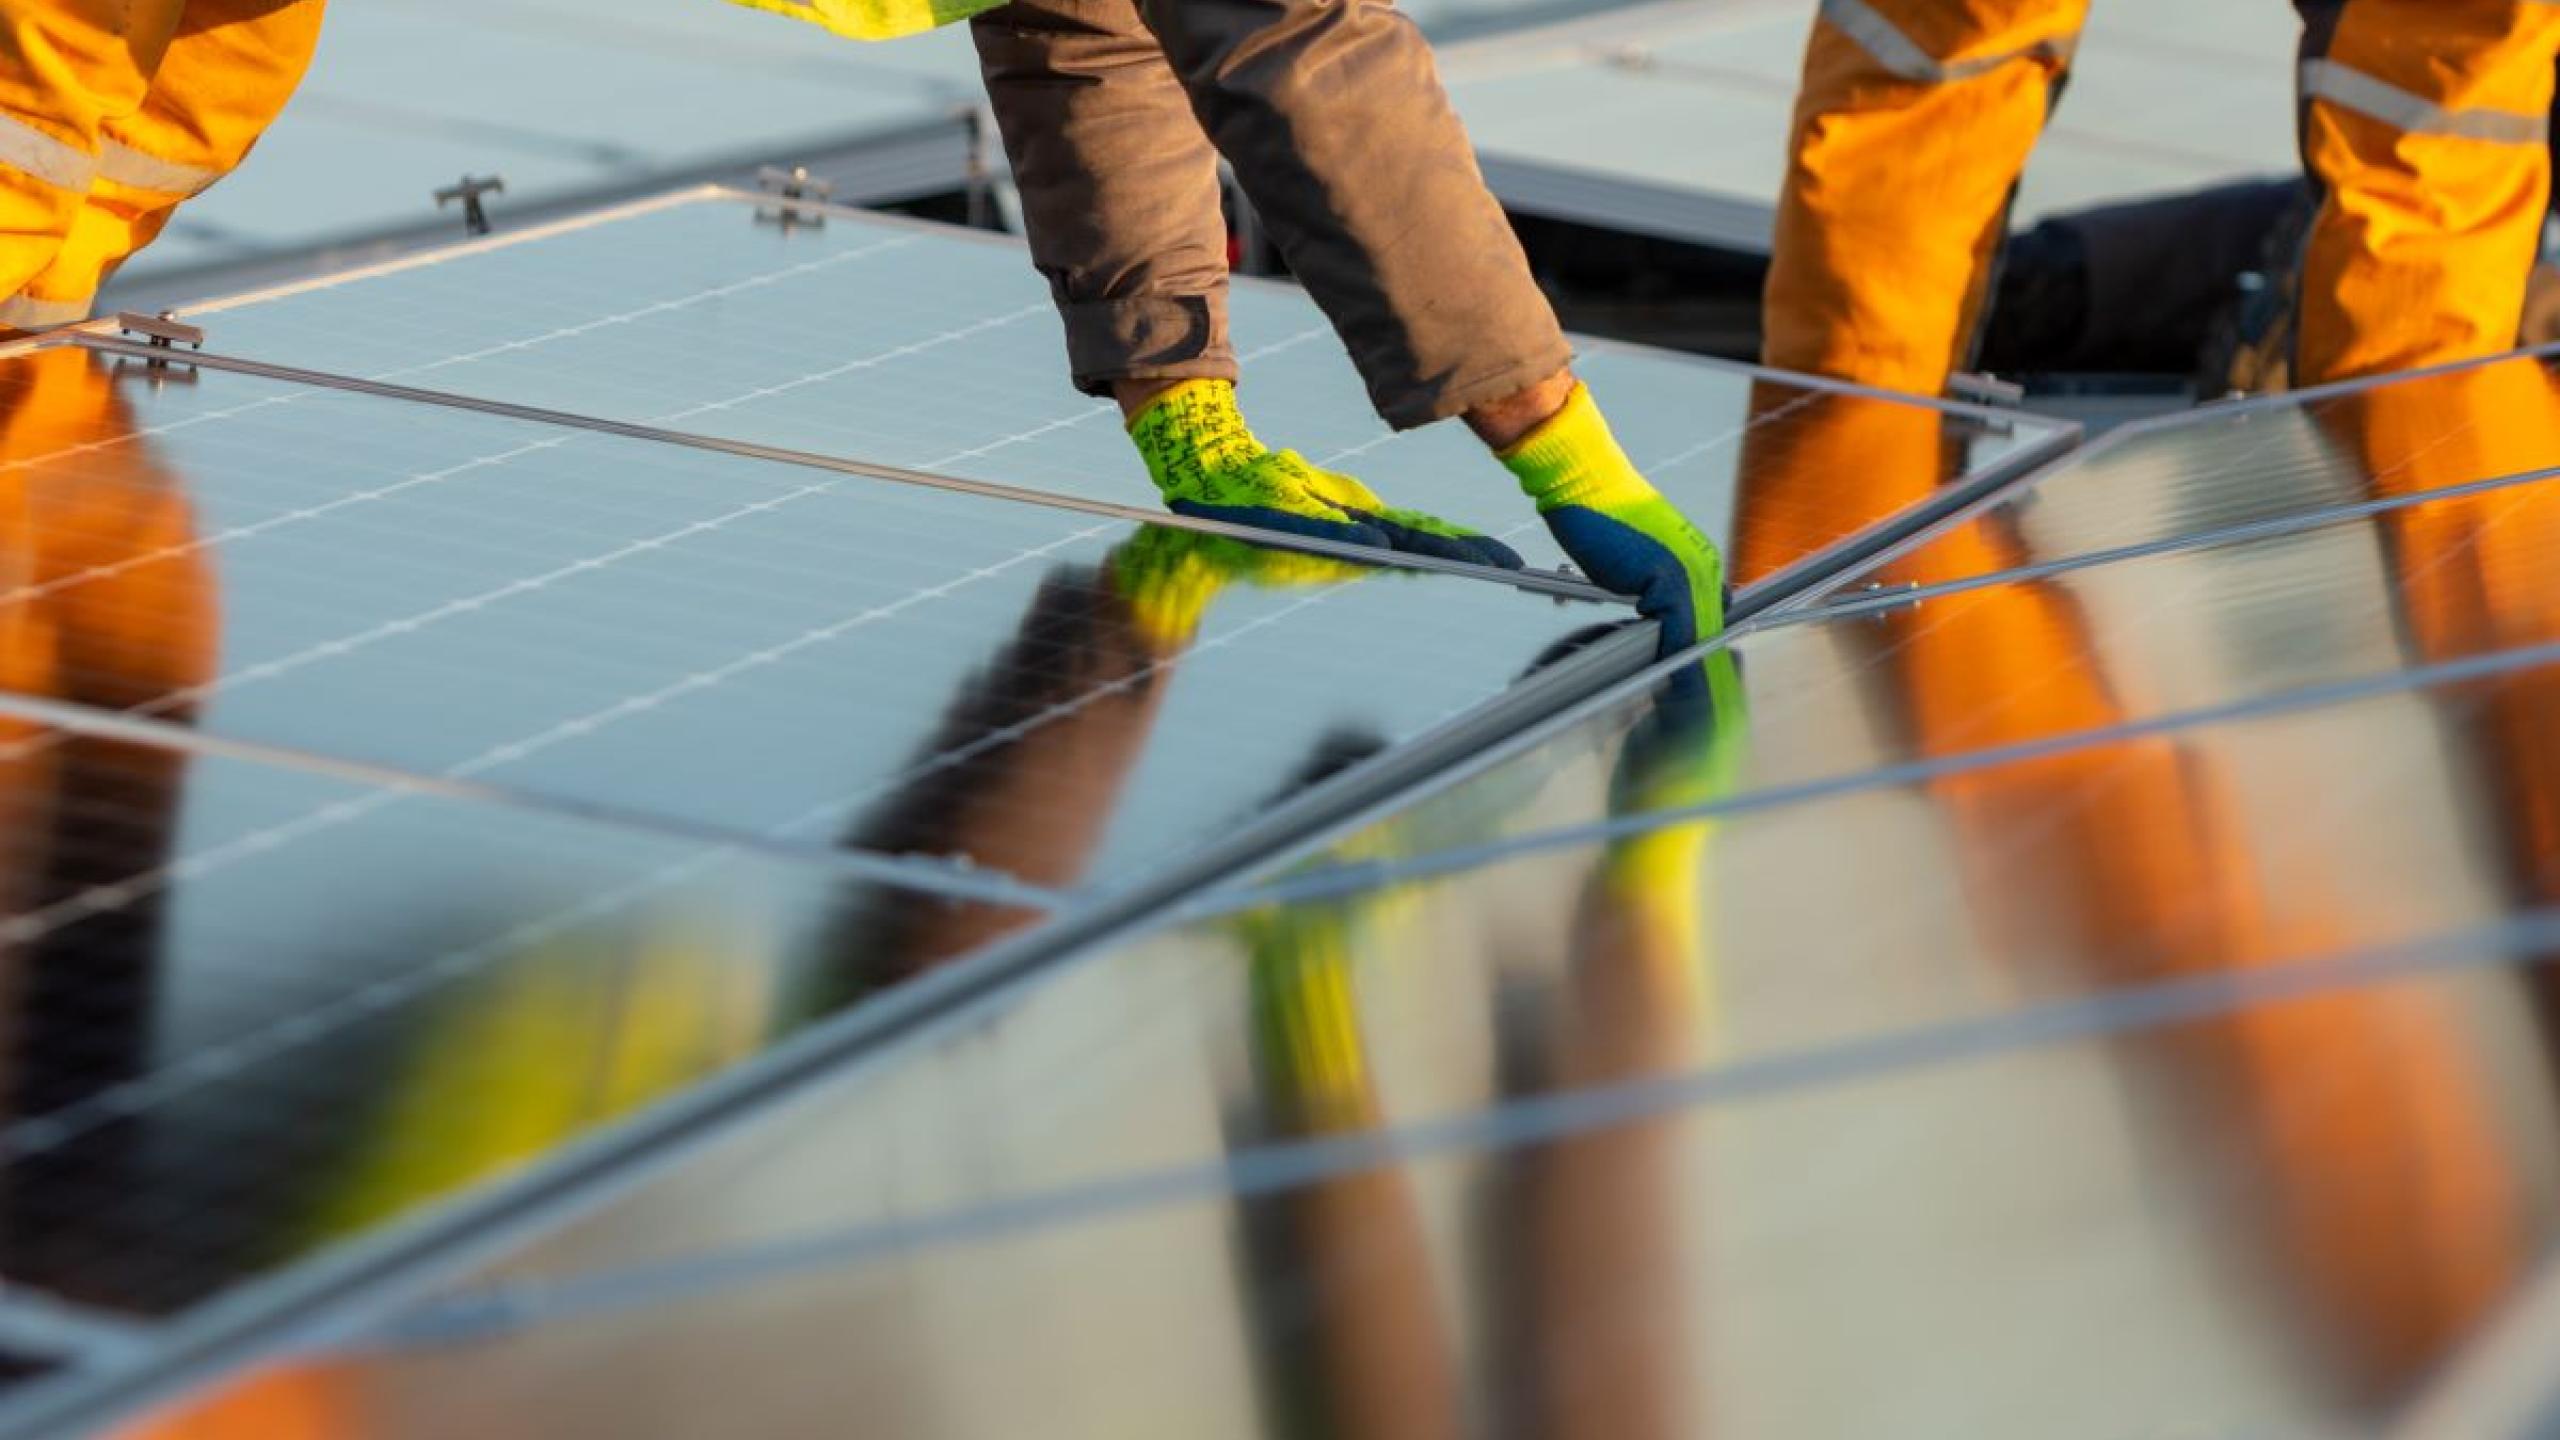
1208 464
1618 528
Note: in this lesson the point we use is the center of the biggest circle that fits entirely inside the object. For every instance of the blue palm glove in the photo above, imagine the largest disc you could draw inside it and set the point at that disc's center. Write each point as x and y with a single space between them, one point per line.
1209 465
1618 528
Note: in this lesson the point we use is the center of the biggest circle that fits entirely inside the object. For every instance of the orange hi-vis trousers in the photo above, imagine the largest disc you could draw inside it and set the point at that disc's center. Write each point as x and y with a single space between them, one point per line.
112 112
2423 123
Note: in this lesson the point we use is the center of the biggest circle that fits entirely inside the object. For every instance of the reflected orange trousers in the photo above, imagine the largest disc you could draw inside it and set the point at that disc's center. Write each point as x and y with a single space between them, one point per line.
112 112
2352 1114
2423 122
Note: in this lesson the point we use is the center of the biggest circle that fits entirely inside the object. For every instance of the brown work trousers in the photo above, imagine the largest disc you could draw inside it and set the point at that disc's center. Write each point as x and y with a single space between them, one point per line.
1114 114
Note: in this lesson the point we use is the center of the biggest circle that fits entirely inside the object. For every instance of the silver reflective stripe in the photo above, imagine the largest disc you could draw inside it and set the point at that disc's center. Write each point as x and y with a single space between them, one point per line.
1889 47
26 312
125 165
57 163
2393 106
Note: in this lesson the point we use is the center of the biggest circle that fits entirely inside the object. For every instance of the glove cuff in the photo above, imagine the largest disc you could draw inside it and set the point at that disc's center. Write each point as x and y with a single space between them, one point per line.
1192 431
1572 459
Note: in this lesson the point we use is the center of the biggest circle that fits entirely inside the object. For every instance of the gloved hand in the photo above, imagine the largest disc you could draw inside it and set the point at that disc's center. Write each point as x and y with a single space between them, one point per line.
1618 528
1168 576
1208 464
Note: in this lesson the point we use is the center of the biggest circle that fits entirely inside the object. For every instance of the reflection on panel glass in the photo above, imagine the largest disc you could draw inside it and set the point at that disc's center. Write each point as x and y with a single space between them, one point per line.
1959 677
2275 1208
767 649
1727 1108
2170 950
2259 464
939 349
254 1011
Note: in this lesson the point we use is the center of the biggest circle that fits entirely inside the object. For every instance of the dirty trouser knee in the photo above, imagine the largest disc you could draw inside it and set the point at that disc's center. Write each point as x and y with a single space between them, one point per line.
66 68
1915 119
1332 114
1119 188
2424 122
227 72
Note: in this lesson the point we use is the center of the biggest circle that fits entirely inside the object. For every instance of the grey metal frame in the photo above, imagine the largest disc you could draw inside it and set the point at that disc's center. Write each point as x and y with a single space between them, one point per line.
1535 581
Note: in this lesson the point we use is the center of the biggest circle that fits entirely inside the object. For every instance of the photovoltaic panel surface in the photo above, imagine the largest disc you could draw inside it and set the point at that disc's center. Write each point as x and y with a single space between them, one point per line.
2231 853
1889 1215
1964 902
257 1011
2225 993
702 640
939 349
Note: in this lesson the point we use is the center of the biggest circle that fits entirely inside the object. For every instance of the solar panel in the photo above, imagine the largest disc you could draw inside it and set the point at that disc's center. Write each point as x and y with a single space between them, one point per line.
2178 999
1895 1220
937 348
257 1009
2265 464
679 635
1993 959
1965 903
2203 827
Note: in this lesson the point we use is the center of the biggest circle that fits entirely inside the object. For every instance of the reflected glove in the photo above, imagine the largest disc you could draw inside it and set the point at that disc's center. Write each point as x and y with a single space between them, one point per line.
1306 1016
1618 528
1689 749
1168 577
1209 465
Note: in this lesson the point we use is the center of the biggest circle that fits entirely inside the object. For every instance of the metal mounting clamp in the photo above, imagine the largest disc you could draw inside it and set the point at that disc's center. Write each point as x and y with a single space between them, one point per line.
468 190
1986 389
790 186
1875 598
164 331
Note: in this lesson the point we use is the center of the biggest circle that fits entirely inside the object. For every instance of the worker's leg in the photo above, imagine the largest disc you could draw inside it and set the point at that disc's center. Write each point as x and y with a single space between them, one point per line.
1333 117
228 72
66 68
1120 197
2426 122
1914 122
1119 189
